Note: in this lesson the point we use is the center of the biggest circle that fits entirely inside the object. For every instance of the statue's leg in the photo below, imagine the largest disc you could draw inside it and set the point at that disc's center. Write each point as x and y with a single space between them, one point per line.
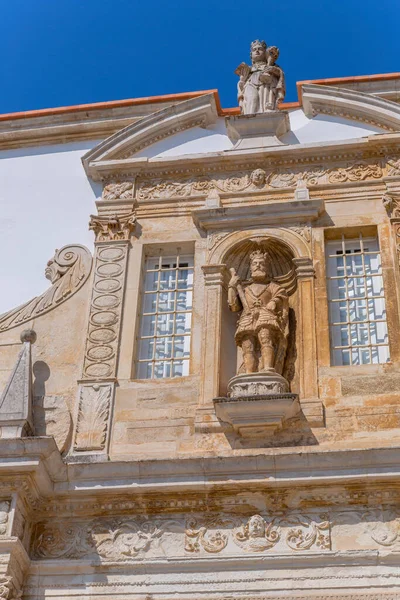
267 343
249 354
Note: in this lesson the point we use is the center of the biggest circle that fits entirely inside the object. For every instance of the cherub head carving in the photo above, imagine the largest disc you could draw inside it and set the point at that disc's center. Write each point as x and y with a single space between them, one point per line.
256 527
258 177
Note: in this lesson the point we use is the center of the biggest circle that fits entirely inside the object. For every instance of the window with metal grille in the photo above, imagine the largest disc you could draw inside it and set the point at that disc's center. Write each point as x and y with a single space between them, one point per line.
164 345
357 310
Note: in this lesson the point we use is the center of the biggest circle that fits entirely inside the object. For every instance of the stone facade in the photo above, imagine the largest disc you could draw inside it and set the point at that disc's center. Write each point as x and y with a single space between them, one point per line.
240 478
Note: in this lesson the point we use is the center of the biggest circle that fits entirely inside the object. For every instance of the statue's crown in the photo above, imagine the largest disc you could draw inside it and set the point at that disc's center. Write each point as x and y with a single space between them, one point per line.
258 43
258 254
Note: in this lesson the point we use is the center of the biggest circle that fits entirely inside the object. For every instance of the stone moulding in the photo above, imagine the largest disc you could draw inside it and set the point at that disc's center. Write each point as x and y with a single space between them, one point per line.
200 111
274 213
257 416
324 99
68 270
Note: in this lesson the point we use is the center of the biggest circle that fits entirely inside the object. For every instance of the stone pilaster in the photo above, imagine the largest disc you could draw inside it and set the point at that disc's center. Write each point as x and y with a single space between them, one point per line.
214 276
97 386
311 405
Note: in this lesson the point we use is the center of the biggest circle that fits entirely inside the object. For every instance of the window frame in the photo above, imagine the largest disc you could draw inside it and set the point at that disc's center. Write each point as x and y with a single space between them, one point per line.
179 256
346 241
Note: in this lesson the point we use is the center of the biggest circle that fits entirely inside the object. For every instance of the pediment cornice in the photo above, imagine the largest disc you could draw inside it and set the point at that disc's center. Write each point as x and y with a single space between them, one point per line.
350 104
120 147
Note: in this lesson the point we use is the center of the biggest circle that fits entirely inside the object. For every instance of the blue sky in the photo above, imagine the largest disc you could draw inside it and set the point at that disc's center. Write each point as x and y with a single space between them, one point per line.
64 52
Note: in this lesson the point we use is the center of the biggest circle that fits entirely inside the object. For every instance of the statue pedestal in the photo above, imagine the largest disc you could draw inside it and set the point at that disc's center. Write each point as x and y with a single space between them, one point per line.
257 404
261 130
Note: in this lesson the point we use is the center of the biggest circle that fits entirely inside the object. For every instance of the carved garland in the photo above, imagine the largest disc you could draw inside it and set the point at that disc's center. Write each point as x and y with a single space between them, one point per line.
261 180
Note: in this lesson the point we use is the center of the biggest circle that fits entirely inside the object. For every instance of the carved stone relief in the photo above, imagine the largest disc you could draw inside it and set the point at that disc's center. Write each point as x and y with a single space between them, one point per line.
67 270
118 190
110 228
129 538
4 514
263 180
93 416
105 311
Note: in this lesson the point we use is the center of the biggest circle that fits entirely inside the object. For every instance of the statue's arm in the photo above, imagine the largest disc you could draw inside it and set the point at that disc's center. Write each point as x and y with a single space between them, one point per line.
234 302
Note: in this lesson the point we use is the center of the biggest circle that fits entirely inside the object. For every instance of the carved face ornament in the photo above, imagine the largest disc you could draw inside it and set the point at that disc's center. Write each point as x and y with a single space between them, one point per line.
51 271
258 177
256 527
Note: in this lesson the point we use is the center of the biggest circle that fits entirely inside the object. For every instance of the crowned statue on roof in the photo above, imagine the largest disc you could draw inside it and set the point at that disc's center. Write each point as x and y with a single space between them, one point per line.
261 86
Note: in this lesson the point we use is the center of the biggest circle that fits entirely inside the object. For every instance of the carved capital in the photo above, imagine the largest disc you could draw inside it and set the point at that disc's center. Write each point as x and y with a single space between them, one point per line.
391 203
112 228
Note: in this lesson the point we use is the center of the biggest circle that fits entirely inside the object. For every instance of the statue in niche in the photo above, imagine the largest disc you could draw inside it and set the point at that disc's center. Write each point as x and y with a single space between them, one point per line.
262 330
262 86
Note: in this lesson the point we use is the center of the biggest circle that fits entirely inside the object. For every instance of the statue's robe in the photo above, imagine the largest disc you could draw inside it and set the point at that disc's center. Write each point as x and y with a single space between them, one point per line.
256 92
256 316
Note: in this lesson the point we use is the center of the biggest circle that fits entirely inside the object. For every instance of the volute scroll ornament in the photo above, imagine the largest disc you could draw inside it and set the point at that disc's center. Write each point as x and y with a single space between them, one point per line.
67 271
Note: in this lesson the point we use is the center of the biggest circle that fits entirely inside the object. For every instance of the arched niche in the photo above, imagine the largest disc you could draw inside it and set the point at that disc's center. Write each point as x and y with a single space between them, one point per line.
290 253
282 269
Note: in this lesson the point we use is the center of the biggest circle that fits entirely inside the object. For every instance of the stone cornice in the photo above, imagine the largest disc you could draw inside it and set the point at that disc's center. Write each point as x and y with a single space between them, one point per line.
39 460
197 112
274 213
350 104
107 169
83 122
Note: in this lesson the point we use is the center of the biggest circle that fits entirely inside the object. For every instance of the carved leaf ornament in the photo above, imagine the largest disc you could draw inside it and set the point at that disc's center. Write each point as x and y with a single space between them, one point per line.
94 408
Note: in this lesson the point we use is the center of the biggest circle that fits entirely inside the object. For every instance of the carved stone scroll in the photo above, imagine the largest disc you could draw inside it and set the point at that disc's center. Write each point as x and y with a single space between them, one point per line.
67 270
137 537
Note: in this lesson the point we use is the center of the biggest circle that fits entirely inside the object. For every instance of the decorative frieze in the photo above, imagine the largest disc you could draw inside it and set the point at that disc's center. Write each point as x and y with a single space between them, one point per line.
264 180
125 538
257 534
118 191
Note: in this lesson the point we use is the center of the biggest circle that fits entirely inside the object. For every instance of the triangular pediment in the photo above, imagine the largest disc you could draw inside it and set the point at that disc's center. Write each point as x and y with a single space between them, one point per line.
123 145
